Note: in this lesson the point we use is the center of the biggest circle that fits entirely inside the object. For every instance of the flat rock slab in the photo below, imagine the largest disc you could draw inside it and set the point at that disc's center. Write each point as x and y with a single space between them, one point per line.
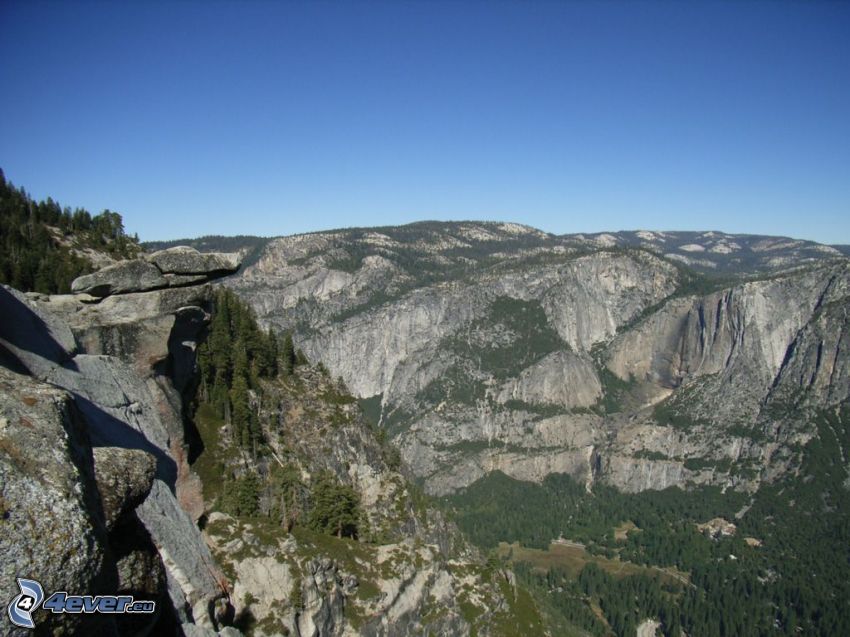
174 267
127 276
186 260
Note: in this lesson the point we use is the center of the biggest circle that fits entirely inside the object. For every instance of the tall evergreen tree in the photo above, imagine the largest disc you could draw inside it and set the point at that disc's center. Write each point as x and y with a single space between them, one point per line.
288 356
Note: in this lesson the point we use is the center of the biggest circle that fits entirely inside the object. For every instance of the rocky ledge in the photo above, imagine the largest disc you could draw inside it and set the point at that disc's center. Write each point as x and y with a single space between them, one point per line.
96 496
179 266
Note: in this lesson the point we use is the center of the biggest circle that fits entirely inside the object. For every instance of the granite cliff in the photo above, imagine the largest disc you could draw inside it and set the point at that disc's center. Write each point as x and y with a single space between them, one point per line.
611 357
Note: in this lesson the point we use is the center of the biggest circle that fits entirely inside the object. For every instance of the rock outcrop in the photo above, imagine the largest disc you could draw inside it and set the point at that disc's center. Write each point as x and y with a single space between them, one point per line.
111 376
175 267
735 340
561 378
410 573
476 347
52 522
109 379
124 479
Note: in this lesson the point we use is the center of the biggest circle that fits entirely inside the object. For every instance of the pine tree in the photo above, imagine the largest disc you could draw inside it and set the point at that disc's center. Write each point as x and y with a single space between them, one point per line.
336 507
288 355
240 412
272 354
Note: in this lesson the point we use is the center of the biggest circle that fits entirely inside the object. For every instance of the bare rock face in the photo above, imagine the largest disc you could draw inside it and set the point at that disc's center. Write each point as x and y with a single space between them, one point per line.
126 363
817 368
175 267
290 586
124 479
123 277
323 599
414 574
50 514
462 397
731 350
584 302
561 378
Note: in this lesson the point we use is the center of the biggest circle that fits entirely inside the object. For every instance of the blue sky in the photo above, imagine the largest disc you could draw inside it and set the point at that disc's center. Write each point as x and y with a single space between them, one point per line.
282 117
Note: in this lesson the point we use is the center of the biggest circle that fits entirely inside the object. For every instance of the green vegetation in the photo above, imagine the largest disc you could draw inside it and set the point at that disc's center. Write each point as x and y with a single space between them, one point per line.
693 283
376 299
672 413
602 604
232 361
530 337
345 262
209 462
41 243
522 615
240 365
681 410
536 409
698 464
645 454
797 581
337 393
562 506
572 558
335 507
616 392
240 496
804 522
371 408
461 263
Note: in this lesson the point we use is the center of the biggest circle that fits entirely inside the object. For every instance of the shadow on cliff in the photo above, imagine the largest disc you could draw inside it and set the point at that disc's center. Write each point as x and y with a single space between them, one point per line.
24 330
105 430
12 362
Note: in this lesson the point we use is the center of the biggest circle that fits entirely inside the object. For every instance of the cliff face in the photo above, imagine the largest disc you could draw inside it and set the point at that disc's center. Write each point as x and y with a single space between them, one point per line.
742 336
104 379
492 346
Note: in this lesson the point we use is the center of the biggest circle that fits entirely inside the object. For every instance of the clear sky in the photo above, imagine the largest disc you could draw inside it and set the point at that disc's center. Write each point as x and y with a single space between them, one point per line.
281 117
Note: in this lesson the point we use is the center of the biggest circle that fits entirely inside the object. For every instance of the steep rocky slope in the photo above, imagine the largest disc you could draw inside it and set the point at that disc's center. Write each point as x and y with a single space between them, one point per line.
101 386
409 572
495 346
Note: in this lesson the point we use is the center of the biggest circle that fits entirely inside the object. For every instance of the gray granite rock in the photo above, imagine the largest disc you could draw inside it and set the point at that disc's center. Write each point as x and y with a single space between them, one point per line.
175 267
126 276
126 397
51 520
463 396
124 479
183 260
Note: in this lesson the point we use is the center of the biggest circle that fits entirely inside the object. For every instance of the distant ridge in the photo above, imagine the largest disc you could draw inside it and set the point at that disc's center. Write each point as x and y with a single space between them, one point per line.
709 251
